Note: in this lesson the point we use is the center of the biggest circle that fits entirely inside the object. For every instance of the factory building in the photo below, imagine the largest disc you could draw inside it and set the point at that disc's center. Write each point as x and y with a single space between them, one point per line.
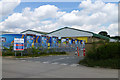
67 32
87 36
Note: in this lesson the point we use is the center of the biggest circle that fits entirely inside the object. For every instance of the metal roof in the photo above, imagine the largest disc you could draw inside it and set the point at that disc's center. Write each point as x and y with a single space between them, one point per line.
69 28
94 35
100 36
35 31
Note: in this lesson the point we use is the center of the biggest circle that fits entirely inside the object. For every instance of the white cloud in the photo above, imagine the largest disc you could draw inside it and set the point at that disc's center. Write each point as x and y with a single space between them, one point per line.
112 29
48 27
7 7
32 19
90 17
92 13
46 22
42 12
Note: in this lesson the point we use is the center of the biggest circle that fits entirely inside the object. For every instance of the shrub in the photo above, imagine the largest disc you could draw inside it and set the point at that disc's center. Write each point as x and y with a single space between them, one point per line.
107 51
106 55
35 51
108 63
32 52
8 53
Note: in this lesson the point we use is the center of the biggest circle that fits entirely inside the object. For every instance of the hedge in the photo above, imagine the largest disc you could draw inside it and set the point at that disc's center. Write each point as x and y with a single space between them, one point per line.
107 55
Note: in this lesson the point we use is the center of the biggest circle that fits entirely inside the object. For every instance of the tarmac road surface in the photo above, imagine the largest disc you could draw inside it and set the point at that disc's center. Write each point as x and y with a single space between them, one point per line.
52 67
60 60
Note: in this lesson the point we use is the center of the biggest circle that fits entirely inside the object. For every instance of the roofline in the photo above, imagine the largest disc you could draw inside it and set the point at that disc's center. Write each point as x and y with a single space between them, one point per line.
69 28
94 34
100 36
34 31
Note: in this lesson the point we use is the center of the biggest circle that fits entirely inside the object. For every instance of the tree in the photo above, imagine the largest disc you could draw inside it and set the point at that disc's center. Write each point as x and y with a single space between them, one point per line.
108 36
104 33
116 37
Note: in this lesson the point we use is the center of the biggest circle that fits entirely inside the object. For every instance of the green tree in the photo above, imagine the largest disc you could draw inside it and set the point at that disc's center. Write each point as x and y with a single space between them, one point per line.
104 33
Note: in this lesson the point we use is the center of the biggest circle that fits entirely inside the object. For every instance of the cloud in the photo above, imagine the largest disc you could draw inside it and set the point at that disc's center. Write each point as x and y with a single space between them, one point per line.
48 27
91 14
36 19
90 17
111 29
42 12
7 7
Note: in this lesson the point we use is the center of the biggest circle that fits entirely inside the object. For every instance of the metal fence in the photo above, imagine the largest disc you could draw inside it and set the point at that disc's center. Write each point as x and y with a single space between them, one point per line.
60 47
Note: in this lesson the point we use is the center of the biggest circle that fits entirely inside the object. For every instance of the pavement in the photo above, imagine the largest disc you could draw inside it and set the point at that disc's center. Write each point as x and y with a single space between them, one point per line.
63 66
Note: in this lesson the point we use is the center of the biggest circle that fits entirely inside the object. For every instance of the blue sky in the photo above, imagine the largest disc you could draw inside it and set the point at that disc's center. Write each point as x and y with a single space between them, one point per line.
89 15
63 6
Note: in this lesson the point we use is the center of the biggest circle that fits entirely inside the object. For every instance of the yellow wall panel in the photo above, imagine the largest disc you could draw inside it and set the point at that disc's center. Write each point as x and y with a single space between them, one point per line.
83 38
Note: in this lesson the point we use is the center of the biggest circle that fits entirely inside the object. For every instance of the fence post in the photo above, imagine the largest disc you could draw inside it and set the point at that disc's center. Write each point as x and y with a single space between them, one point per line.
21 53
15 53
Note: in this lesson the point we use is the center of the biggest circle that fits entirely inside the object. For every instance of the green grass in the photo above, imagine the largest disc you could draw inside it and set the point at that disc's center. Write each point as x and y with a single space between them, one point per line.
38 55
106 56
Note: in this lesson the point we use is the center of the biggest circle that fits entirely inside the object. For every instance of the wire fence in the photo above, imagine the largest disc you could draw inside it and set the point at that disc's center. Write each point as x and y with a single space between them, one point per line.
60 47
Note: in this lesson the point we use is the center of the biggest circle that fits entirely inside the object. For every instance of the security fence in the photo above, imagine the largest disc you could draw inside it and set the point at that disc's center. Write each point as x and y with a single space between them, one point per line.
60 47
29 41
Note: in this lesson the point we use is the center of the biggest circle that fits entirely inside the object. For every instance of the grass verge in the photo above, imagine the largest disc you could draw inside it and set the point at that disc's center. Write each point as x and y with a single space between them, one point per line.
35 54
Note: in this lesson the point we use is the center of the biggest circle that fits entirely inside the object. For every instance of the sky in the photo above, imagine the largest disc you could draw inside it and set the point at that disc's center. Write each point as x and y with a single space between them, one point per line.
88 15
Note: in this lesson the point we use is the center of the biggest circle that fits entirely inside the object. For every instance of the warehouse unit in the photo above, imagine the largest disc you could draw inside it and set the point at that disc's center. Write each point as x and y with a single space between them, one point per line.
87 36
35 41
64 35
8 39
68 32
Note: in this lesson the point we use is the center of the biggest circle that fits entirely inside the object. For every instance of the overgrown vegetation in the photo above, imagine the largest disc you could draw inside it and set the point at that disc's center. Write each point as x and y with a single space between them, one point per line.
107 55
31 52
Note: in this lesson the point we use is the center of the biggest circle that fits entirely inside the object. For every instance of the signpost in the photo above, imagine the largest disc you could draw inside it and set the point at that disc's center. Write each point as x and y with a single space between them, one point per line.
18 45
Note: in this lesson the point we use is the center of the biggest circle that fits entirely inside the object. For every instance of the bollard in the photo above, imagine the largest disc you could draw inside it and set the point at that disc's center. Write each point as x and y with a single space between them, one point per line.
84 52
78 51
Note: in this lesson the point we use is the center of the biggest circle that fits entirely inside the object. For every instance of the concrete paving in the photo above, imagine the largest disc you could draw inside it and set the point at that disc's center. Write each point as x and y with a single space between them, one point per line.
53 68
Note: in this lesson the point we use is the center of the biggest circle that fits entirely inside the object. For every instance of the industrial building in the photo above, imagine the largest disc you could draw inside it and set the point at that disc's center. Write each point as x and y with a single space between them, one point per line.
62 37
68 32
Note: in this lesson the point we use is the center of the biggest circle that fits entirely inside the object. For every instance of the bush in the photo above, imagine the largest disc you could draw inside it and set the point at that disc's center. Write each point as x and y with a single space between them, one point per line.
107 51
106 55
108 63
32 52
35 51
8 53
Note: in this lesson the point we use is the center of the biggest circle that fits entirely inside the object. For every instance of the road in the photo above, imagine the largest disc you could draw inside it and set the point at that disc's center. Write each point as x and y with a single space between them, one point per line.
52 67
60 60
